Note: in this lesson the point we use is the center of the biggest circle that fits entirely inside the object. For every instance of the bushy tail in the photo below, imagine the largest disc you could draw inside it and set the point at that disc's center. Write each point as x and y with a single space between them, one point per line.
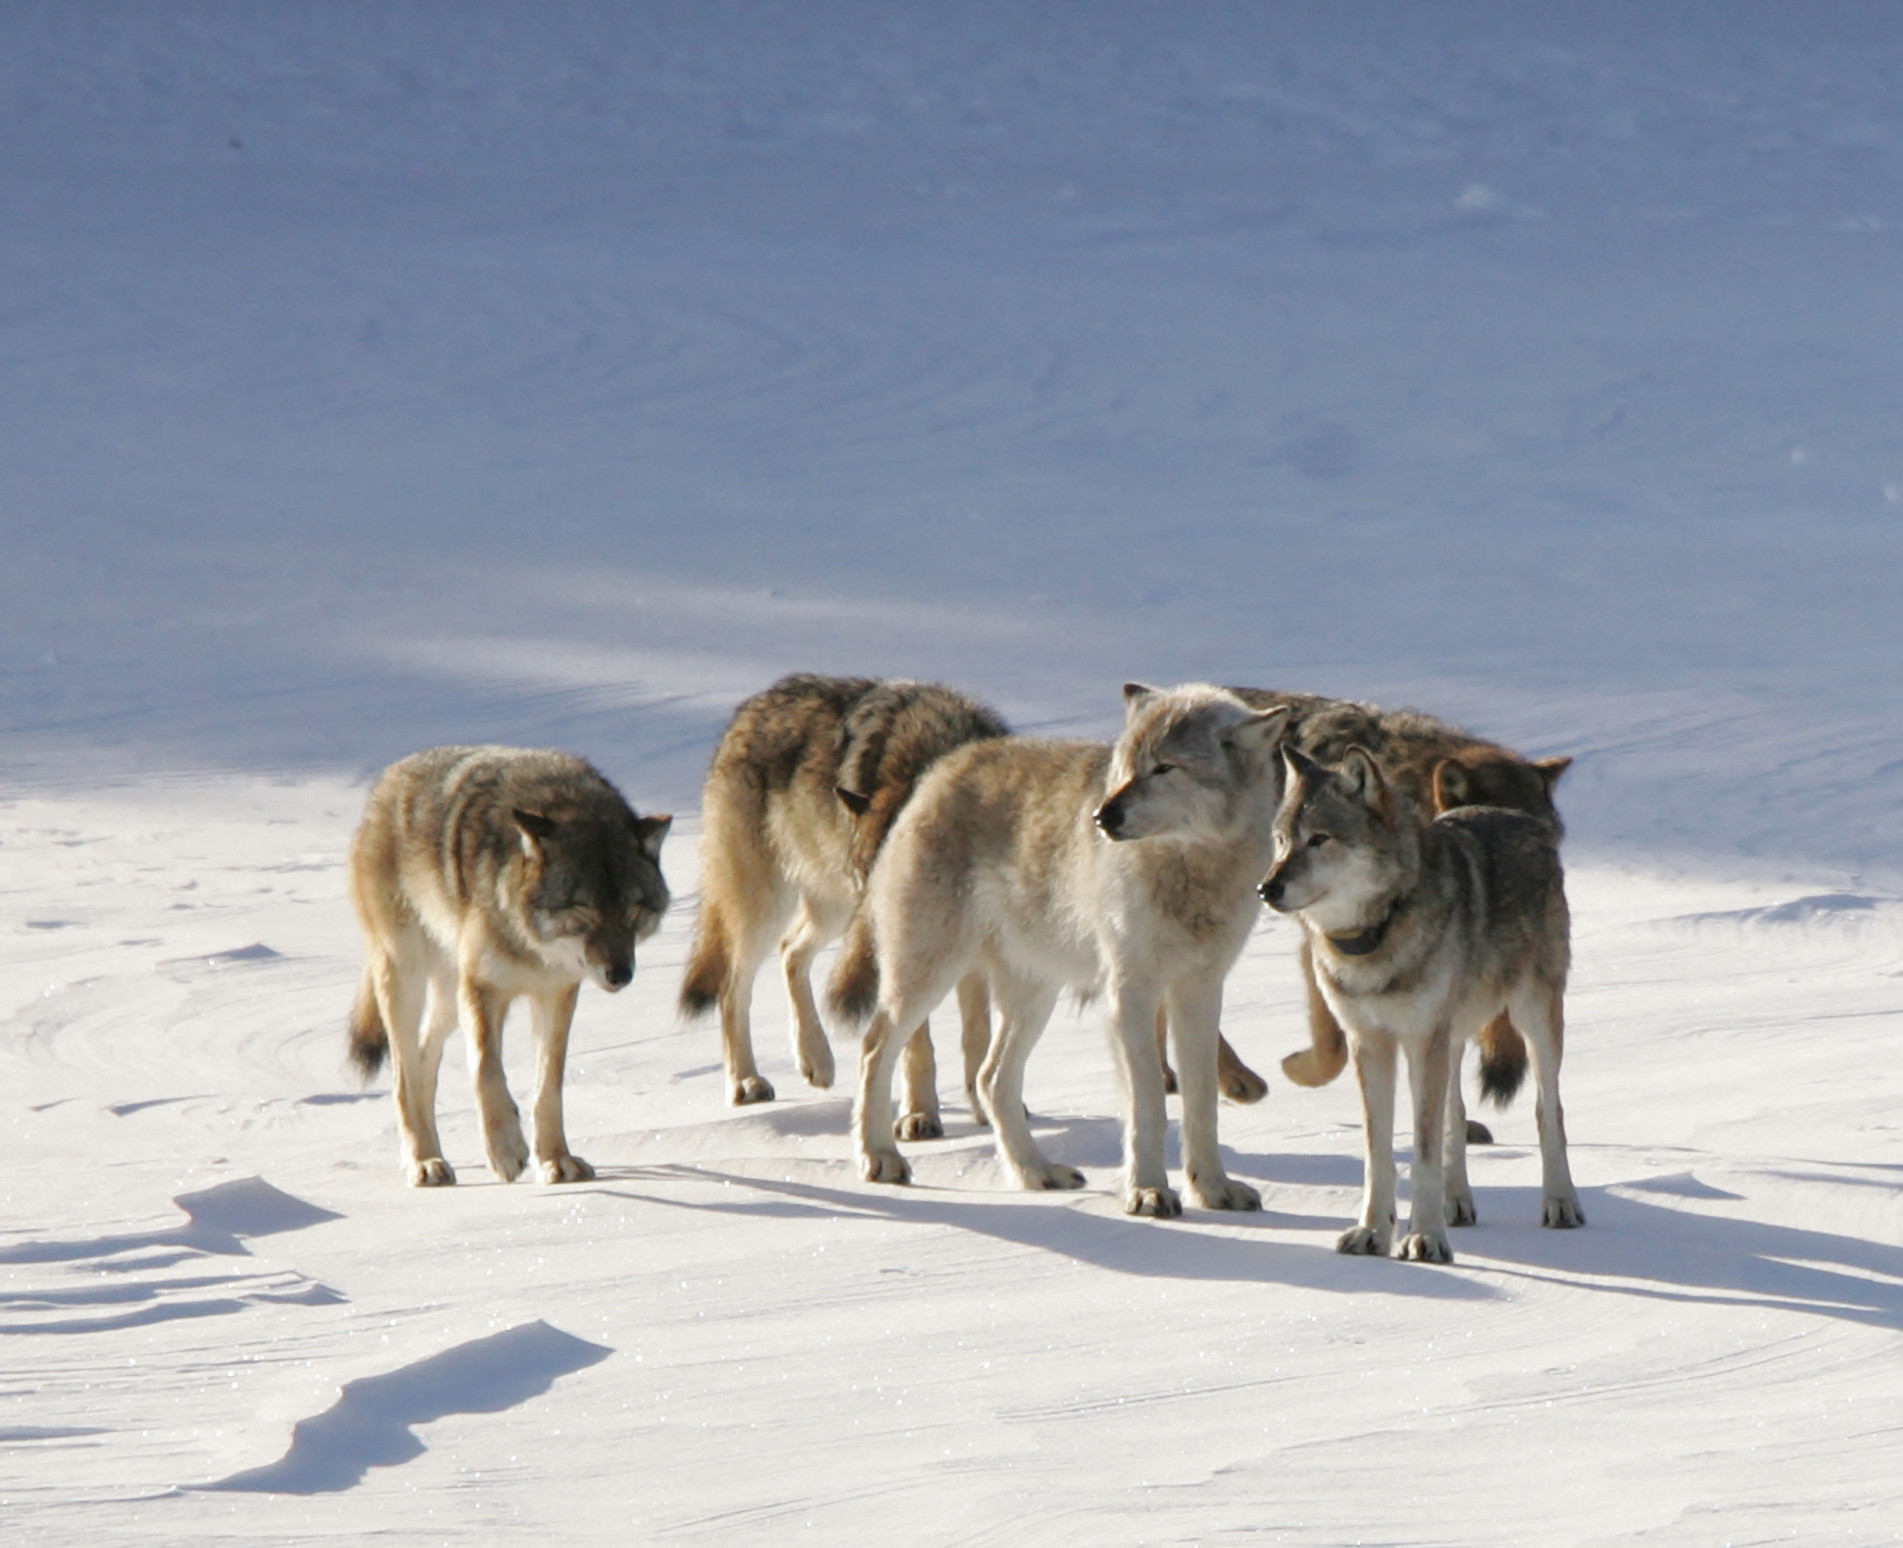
852 993
709 966
369 1038
1502 1060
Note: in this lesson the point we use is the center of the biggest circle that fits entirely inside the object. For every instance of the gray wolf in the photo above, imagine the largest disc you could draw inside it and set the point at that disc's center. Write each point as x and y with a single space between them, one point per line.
481 874
1421 932
1438 767
807 780
1126 871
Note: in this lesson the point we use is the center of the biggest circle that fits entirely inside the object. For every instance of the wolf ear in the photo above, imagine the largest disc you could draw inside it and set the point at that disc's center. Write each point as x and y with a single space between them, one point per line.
1550 770
649 831
1259 733
854 801
1299 765
1363 777
1135 693
533 825
1453 786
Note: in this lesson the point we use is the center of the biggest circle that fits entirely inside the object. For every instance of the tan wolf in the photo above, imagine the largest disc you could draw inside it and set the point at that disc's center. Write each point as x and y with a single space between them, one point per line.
481 874
1438 767
1421 932
1126 871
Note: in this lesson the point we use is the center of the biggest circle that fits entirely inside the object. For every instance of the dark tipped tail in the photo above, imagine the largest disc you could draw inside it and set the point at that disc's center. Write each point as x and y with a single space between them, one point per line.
1502 1061
369 1038
852 993
709 966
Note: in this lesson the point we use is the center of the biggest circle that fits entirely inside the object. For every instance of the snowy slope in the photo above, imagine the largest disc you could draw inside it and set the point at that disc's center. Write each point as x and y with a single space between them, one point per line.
376 375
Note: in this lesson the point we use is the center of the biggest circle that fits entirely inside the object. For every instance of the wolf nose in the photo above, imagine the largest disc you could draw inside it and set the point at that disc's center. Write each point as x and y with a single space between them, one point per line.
1110 818
618 977
1271 892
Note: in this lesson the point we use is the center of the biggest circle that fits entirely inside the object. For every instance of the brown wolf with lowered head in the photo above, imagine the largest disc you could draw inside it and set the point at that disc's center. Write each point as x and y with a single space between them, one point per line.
481 874
1438 767
1421 933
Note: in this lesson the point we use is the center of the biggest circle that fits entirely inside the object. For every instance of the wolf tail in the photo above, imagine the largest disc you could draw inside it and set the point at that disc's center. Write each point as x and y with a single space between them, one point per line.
709 966
369 1038
1502 1060
852 993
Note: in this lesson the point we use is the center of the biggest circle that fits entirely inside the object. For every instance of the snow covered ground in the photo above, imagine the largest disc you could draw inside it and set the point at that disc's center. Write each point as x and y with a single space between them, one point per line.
379 375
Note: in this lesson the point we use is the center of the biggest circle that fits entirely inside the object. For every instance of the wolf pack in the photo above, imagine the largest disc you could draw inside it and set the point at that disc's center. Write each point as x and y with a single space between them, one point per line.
947 856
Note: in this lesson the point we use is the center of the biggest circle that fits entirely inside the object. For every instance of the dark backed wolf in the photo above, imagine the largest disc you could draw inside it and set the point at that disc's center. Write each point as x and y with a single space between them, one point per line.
481 874
1421 933
1437 767
808 778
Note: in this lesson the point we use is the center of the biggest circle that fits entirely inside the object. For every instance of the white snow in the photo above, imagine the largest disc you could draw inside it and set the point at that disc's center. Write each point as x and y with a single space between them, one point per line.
376 375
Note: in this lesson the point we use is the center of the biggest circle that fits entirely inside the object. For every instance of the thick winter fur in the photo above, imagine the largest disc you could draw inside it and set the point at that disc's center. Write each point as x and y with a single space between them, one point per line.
1124 871
808 778
1438 767
1422 932
481 874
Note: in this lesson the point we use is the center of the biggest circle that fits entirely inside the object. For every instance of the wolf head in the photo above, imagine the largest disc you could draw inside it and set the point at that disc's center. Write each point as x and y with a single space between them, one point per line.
1190 761
1345 841
1494 779
593 887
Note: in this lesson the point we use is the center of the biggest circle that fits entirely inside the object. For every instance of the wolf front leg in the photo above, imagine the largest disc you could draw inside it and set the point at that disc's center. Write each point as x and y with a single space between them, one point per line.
1374 1060
553 1014
1428 1061
483 1010
1195 1013
1133 1007
1024 1006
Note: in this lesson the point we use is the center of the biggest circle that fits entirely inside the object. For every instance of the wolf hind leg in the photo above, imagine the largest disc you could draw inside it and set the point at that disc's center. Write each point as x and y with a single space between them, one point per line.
401 983
814 926
1459 1190
974 1019
919 1070
1539 1011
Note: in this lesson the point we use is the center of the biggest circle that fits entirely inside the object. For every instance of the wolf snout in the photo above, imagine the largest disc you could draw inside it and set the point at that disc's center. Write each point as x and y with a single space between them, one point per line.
1271 891
618 975
1109 819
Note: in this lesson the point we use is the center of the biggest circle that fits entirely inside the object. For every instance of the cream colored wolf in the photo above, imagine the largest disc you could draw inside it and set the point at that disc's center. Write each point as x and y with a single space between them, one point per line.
1126 871
1421 933
481 874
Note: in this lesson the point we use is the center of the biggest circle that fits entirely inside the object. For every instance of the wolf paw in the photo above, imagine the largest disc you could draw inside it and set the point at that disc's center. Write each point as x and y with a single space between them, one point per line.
1306 1068
1228 1194
508 1153
919 1126
433 1173
566 1169
816 1067
1159 1203
751 1089
1049 1177
1478 1133
1561 1212
885 1166
1242 1084
1460 1210
1363 1241
1426 1247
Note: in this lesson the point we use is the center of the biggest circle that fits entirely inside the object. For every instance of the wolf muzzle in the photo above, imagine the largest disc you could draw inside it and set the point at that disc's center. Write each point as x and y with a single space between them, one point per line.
1271 891
1109 818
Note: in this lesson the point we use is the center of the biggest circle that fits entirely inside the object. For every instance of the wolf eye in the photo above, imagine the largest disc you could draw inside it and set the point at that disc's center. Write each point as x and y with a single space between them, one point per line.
1316 840
1163 768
